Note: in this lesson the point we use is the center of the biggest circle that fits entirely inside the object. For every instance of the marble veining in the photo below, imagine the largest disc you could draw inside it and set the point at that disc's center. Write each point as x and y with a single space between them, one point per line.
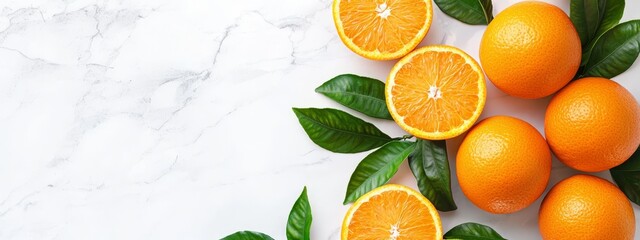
172 119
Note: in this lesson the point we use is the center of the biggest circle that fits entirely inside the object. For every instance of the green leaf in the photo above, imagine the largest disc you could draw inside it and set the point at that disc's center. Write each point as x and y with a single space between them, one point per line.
474 12
627 177
430 166
363 94
338 131
247 235
299 223
592 18
377 168
615 51
473 231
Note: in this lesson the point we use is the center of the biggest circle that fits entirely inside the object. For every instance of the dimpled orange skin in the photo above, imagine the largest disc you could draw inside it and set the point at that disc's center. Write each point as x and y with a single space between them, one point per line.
586 207
530 50
593 124
503 164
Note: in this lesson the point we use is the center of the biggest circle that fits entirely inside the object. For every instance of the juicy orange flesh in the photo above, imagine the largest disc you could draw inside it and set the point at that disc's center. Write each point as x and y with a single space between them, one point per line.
369 20
436 73
392 214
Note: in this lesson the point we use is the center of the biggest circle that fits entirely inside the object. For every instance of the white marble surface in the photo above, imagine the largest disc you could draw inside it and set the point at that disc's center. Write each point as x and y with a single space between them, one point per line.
172 119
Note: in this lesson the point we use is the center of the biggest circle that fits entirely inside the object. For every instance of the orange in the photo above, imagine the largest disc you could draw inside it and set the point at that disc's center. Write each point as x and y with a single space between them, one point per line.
503 164
382 29
392 212
593 124
586 207
436 92
530 50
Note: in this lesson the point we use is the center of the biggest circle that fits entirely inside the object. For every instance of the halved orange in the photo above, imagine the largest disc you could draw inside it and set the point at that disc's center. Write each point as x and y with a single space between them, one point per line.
436 92
382 29
392 212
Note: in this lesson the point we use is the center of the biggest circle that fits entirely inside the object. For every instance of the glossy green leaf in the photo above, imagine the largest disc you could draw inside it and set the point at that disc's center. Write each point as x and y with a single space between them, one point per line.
615 51
363 94
430 166
247 235
474 12
627 177
299 223
473 231
338 131
377 168
592 18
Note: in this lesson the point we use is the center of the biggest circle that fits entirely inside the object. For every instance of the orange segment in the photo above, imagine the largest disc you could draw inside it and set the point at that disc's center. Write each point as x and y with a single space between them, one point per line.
382 29
436 92
392 212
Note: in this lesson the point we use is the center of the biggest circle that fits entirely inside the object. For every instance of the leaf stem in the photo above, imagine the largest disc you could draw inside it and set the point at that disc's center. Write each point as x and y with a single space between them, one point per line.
405 137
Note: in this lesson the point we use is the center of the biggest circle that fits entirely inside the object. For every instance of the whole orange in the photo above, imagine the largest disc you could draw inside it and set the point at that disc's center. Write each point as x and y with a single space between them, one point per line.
593 124
586 207
530 50
503 164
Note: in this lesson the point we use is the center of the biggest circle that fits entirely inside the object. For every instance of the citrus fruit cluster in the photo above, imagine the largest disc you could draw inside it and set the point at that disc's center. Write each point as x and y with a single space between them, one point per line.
530 50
